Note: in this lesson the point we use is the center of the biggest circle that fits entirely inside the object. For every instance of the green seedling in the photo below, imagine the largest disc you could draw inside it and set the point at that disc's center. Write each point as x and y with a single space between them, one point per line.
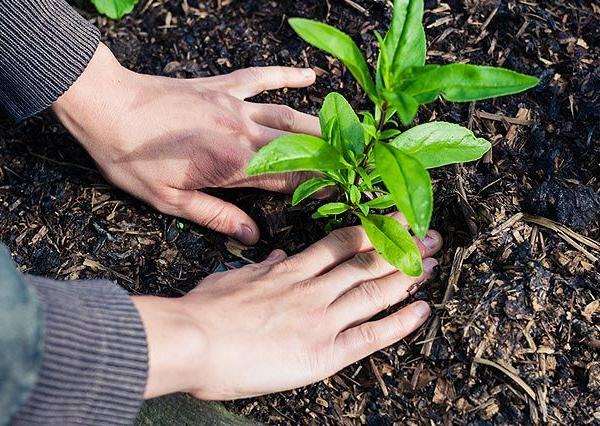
373 163
114 9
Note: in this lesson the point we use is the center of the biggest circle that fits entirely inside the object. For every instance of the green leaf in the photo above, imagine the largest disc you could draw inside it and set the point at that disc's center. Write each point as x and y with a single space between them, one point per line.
310 187
355 194
405 42
382 73
383 202
331 209
389 134
340 45
439 143
295 152
114 9
366 179
409 183
466 83
341 123
394 243
369 125
405 105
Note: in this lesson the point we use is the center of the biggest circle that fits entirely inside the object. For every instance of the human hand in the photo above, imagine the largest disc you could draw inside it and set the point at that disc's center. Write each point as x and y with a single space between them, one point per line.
162 139
283 323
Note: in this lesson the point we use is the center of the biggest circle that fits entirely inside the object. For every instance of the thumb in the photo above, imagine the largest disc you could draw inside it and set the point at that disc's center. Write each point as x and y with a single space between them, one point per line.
276 182
216 214
285 183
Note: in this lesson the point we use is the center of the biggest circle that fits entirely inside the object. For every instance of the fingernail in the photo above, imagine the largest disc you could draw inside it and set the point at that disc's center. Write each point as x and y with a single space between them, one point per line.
275 256
430 241
421 309
245 234
308 72
327 193
429 265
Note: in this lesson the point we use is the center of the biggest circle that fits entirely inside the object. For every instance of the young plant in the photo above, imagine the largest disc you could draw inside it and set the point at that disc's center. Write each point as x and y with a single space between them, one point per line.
114 9
374 164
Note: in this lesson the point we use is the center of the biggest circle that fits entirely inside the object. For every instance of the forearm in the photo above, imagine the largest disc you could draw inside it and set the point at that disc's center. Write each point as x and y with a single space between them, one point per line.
44 47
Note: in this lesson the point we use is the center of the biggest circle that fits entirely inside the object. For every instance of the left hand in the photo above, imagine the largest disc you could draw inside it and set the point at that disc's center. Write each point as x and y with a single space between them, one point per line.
283 323
162 139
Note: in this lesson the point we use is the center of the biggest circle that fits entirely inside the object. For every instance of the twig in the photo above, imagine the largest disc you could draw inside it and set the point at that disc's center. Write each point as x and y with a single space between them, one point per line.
62 163
357 7
509 373
415 378
503 118
459 258
378 377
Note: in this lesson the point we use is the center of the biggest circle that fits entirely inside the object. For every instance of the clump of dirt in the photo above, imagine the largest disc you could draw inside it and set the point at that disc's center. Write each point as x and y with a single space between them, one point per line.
577 206
514 338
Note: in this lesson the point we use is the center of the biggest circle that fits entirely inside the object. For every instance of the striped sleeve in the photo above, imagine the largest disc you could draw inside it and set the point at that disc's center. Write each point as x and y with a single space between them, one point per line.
44 47
94 359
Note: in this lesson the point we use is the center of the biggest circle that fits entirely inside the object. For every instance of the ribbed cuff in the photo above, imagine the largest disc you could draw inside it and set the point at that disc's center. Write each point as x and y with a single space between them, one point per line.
44 47
95 358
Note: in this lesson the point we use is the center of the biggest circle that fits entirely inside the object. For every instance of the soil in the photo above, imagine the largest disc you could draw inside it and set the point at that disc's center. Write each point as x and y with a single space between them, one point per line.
516 334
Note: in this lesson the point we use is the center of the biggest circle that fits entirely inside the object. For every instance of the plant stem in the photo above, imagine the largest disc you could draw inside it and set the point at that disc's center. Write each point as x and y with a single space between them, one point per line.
371 144
380 125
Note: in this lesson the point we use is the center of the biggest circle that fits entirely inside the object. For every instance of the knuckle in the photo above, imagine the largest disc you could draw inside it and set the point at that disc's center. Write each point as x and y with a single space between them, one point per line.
400 325
232 124
304 288
344 236
371 291
363 260
251 130
255 74
218 218
167 201
294 179
211 97
370 262
286 117
368 335
287 265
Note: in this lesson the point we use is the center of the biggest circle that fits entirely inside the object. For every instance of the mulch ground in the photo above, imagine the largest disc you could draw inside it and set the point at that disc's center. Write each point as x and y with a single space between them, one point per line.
516 334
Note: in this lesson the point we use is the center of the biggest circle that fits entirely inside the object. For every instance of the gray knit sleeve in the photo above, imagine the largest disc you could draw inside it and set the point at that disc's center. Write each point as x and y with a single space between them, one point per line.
20 338
44 47
94 357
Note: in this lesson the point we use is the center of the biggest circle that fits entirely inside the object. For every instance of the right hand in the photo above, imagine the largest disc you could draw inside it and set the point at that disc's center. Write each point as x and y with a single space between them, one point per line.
165 139
283 323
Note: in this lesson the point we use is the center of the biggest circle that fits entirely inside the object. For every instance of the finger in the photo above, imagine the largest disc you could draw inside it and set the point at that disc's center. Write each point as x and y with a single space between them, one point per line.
249 82
275 257
263 135
368 266
276 182
212 213
360 341
374 296
282 117
339 246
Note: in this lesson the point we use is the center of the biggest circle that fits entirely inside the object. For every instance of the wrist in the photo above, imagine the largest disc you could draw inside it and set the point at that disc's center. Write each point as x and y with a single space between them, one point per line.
175 345
94 103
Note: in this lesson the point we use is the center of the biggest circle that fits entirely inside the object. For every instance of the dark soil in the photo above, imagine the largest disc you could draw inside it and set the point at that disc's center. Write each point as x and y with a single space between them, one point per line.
518 338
